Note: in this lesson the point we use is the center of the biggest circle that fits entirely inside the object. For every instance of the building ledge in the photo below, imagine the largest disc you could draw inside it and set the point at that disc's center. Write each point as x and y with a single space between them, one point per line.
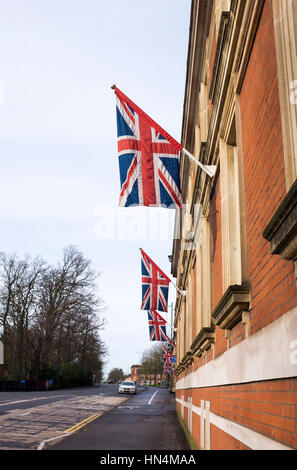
186 361
203 340
179 369
234 302
281 231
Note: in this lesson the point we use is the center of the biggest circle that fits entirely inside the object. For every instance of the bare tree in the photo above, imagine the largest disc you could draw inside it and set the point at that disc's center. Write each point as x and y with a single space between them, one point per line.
152 361
19 278
51 316
116 375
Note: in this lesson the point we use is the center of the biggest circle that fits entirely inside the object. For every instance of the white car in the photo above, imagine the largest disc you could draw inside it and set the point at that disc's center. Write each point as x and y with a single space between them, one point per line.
127 387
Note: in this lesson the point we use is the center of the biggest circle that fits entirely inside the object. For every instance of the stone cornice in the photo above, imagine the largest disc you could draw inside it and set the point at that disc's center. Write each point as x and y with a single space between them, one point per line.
203 340
281 231
234 302
186 361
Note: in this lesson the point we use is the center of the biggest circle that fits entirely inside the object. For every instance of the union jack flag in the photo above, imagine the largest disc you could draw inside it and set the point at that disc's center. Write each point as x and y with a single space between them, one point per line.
148 159
155 285
167 361
157 326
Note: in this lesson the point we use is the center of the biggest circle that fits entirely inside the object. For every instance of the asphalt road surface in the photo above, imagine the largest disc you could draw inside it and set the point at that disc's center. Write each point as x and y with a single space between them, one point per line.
146 421
28 420
90 418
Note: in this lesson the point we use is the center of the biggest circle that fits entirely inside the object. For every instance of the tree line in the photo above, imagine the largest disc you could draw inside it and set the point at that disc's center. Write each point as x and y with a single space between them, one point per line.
152 361
51 317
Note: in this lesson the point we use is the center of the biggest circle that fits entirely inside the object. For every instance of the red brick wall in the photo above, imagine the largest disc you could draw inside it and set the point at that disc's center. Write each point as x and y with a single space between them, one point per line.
272 279
220 341
223 441
267 407
196 429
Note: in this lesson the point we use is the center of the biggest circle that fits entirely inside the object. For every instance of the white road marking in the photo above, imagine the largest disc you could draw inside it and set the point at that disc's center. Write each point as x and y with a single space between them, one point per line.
46 421
129 407
30 399
42 444
149 403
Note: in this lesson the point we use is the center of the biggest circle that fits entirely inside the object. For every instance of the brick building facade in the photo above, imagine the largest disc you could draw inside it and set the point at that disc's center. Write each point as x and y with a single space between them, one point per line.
136 373
235 245
146 379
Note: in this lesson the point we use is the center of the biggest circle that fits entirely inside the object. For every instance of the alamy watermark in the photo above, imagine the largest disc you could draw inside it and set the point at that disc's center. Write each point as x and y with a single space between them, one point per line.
134 223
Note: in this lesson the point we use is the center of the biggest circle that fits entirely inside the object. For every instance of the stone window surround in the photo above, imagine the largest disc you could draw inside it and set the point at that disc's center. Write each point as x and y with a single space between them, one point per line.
281 231
285 32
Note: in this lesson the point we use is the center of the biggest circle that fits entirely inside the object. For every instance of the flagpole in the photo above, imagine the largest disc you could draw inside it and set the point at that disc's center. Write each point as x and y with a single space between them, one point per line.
182 292
209 169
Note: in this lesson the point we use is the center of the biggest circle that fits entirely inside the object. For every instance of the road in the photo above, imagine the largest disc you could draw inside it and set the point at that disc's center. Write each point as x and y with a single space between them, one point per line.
90 418
29 419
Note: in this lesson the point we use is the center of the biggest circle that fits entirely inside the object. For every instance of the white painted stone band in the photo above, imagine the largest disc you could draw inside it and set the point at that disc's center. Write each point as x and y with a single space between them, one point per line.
266 355
247 436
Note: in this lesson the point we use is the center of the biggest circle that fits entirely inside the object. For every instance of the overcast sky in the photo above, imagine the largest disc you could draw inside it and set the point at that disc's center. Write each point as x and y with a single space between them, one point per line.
59 177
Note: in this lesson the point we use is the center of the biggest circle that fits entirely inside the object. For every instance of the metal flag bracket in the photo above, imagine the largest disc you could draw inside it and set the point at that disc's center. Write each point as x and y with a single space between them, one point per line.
182 292
209 169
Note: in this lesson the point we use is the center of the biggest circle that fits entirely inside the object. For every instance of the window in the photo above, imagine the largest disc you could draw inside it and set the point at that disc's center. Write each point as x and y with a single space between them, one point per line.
285 28
235 286
205 329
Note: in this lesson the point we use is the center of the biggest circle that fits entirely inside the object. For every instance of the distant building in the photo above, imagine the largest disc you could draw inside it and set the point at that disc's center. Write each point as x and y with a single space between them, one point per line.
236 367
146 379
135 373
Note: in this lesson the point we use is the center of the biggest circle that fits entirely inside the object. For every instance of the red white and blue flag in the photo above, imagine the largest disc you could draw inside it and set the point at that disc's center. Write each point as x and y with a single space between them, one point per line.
155 285
148 159
157 326
167 361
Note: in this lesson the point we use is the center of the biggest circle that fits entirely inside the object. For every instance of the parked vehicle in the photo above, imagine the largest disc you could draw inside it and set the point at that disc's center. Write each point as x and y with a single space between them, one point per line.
127 387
